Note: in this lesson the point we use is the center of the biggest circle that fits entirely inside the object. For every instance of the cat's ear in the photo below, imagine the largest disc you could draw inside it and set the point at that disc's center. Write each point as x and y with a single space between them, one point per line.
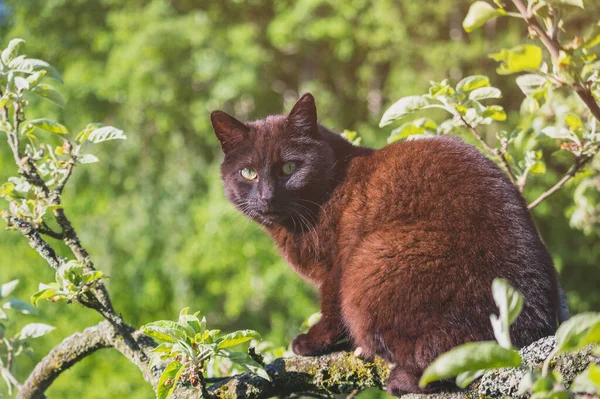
229 130
303 116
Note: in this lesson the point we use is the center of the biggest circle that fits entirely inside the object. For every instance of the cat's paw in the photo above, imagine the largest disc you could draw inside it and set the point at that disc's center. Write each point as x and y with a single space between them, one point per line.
303 345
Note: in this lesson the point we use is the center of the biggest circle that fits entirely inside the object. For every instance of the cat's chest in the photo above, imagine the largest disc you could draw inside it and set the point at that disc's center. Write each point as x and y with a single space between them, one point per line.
309 253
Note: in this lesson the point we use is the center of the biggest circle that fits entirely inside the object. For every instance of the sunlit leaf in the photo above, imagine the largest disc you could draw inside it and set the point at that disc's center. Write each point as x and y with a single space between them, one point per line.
484 93
45 293
401 108
469 357
49 125
463 380
556 132
7 288
165 330
577 332
236 338
246 362
168 380
35 330
527 57
588 381
479 13
106 133
472 82
10 52
87 158
46 91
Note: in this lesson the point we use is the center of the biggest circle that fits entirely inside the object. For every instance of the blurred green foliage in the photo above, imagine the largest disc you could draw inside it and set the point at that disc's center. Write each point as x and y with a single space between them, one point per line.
153 214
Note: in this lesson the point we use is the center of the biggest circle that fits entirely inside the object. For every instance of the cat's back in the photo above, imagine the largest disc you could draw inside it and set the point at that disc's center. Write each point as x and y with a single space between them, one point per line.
438 179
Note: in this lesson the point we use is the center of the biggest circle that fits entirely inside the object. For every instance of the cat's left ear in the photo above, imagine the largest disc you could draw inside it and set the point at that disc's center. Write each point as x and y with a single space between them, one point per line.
303 116
229 130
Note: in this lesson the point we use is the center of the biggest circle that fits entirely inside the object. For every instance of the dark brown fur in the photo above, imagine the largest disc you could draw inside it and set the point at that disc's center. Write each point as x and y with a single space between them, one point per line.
403 242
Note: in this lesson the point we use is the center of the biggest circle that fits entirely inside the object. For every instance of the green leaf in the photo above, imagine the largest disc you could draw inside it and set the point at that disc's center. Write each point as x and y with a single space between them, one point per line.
588 381
465 379
106 133
472 82
46 91
89 277
577 332
10 52
510 304
45 293
416 127
6 378
556 132
84 134
35 330
31 65
530 83
21 83
7 288
3 316
168 380
479 13
401 108
49 126
526 57
538 168
236 338
191 322
36 77
87 158
165 330
472 356
19 306
484 93
246 362
495 112
573 121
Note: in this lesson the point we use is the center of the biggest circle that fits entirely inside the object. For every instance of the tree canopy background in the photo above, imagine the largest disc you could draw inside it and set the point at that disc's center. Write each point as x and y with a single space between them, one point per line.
154 215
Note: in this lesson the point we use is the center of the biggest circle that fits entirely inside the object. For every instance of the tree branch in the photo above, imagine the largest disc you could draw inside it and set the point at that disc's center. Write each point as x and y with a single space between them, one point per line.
580 161
501 154
75 348
35 241
553 46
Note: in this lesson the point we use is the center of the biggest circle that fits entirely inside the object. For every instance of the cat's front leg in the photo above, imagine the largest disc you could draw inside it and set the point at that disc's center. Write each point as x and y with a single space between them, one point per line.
329 334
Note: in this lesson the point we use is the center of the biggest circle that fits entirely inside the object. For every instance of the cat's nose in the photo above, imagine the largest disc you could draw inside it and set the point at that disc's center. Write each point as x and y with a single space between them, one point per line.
266 193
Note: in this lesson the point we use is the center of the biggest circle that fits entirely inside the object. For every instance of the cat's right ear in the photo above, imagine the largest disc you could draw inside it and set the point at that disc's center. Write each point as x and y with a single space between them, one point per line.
229 130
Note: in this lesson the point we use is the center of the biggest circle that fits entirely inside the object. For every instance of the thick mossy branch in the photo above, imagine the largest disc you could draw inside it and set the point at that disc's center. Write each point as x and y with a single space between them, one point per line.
340 372
79 345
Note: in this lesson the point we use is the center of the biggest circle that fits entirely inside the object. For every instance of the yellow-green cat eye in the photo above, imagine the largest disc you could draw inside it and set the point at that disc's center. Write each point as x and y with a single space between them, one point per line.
288 168
249 173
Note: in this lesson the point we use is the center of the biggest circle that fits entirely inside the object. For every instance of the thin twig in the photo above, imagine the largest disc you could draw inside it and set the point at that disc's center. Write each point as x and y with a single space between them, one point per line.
553 46
35 241
491 150
578 164
6 372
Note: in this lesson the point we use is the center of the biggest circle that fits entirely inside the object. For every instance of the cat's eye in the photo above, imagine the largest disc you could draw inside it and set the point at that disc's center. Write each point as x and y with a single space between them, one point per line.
249 173
288 168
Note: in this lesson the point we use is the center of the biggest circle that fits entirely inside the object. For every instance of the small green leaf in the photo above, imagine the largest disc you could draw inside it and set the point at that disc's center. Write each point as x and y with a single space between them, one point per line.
484 93
538 168
530 83
19 306
479 13
106 133
573 121
7 288
577 332
36 77
168 380
495 112
236 338
21 83
49 126
472 356
401 108
556 132
31 65
588 381
11 51
165 330
35 330
465 379
510 304
45 293
87 158
526 57
472 82
46 91
417 127
84 134
246 362
3 316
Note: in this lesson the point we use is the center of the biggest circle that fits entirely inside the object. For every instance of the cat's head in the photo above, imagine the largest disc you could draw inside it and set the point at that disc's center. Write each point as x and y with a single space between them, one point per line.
276 170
